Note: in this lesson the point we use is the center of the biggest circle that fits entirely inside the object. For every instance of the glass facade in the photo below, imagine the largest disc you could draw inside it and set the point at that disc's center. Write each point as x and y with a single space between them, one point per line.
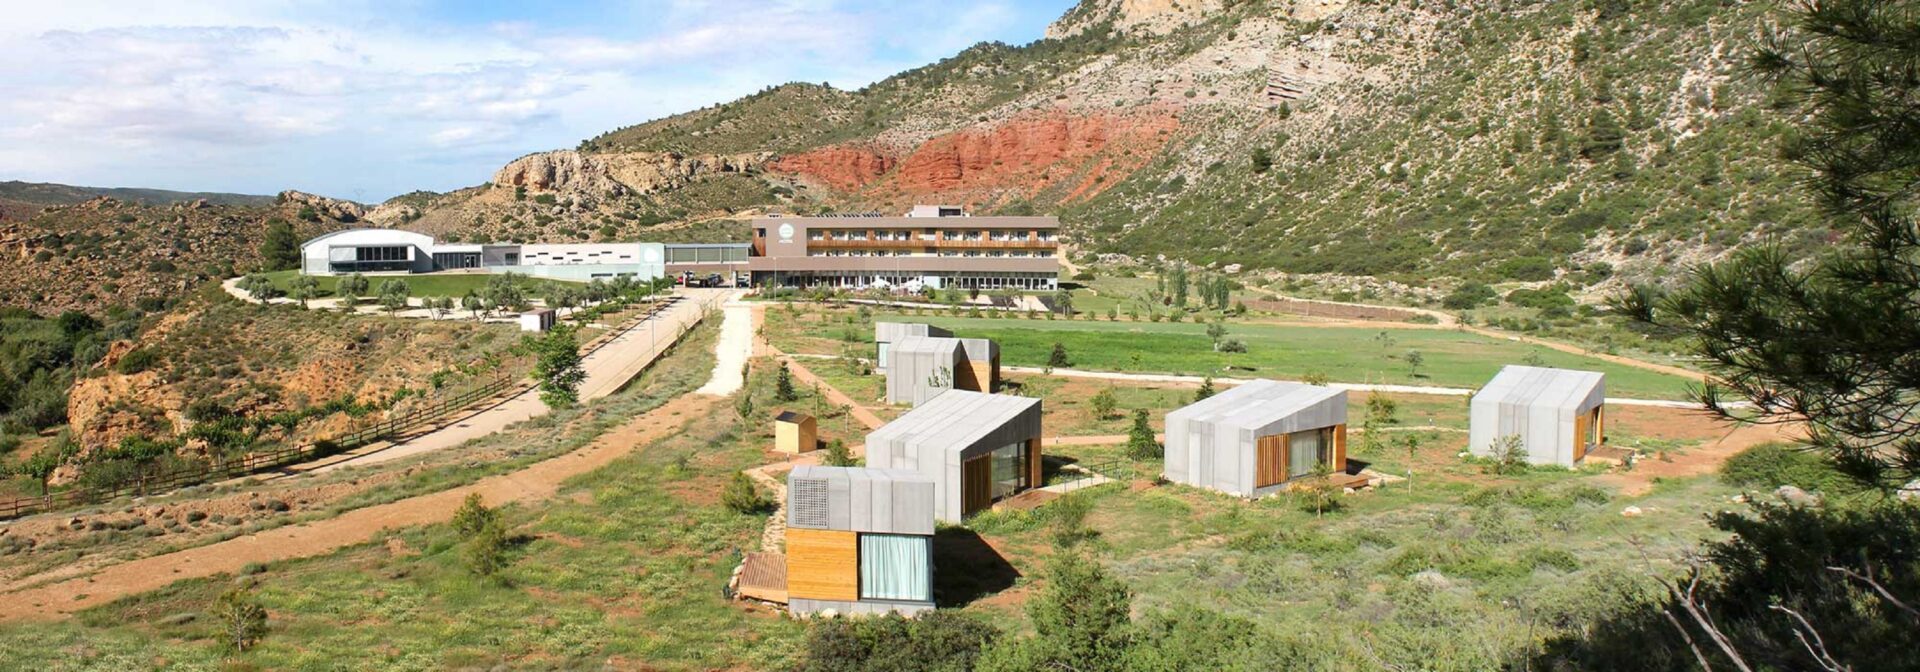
1306 450
896 567
1009 470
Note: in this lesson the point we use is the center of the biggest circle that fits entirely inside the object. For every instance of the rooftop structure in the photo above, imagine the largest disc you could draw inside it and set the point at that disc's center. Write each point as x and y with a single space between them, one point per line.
978 448
921 368
1556 414
885 334
1251 439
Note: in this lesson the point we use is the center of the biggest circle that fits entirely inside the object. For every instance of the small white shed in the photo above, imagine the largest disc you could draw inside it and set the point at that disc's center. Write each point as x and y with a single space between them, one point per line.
536 320
1558 414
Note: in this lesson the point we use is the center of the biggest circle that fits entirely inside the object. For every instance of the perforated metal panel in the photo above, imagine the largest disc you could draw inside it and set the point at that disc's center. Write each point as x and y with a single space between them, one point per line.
808 505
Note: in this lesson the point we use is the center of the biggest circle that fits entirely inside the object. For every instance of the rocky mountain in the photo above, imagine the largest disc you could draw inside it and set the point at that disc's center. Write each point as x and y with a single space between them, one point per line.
21 200
106 252
1495 139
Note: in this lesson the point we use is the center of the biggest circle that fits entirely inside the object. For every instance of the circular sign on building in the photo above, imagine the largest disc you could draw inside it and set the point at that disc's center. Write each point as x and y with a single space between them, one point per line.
651 255
786 232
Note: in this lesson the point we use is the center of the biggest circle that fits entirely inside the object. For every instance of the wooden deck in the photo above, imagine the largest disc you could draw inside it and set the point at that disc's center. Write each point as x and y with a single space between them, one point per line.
763 576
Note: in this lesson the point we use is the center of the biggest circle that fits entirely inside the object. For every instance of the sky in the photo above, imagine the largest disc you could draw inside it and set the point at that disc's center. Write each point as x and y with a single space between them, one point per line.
367 99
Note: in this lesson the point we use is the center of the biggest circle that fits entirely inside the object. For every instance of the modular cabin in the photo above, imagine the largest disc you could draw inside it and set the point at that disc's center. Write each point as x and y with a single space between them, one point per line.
1253 438
859 540
1556 415
921 368
795 433
885 334
978 449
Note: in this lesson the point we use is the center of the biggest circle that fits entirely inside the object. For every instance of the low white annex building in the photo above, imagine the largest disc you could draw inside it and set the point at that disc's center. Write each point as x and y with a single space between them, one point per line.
397 251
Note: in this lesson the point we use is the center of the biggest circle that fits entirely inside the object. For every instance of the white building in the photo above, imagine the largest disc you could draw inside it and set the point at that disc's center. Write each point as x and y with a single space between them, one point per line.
396 251
1558 414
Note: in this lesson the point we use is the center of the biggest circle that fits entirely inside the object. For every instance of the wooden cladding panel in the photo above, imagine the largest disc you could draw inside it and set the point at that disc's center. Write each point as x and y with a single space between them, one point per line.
976 484
823 564
1270 464
1340 447
1580 423
978 377
1033 464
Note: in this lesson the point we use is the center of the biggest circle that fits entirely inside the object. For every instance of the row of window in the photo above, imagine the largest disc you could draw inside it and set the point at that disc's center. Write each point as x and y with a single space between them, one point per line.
997 254
884 235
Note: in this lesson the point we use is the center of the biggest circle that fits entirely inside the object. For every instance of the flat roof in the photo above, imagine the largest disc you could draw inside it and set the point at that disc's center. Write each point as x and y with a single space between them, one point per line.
1540 386
954 420
858 473
937 344
790 416
1256 403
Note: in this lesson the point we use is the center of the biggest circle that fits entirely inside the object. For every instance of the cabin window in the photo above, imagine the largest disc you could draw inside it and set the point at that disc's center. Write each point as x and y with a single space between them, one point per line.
1306 450
896 567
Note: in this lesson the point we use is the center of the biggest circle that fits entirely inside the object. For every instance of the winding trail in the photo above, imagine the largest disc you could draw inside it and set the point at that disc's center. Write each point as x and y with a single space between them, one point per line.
538 481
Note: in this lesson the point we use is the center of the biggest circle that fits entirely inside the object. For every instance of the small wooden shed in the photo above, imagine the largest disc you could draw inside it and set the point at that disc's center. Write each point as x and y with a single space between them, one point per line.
795 433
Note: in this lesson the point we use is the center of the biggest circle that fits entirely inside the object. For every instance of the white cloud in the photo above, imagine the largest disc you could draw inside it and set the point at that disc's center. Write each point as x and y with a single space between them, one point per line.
382 98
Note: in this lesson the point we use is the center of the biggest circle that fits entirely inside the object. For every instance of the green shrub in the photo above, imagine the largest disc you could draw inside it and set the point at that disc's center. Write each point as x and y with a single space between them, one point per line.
1528 269
1771 465
136 361
1468 296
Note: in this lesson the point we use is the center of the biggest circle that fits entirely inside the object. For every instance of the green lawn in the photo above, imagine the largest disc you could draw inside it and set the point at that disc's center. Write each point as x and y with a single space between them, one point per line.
425 284
1350 355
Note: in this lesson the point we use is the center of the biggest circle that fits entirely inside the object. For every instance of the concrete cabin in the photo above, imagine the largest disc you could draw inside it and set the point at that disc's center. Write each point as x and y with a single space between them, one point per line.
1252 439
795 433
885 334
978 449
921 368
859 540
1559 414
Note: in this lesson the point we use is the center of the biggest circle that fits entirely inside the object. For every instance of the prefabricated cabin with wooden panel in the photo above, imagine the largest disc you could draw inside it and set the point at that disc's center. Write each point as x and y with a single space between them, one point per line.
859 540
795 433
978 448
1557 414
1251 439
885 334
920 368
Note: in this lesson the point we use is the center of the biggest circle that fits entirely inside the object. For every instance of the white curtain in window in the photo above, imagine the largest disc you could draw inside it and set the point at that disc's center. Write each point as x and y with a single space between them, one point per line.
1303 452
896 567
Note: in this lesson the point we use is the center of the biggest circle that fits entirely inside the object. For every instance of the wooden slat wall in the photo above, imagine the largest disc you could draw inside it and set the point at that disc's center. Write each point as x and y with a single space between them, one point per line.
1340 447
1270 462
823 564
1033 464
976 484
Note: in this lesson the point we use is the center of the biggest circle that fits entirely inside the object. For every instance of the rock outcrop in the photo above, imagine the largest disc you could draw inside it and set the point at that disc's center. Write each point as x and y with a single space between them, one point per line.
570 171
332 208
846 168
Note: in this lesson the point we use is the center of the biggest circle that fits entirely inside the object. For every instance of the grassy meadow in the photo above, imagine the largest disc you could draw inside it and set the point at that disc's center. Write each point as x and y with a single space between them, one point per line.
1342 354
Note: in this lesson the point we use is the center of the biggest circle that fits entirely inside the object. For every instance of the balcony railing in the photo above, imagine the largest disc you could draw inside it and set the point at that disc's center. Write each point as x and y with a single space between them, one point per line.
951 243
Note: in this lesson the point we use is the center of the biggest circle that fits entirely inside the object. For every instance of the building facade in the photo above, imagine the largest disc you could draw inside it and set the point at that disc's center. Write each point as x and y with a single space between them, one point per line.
1253 438
396 251
1556 415
978 449
929 247
859 540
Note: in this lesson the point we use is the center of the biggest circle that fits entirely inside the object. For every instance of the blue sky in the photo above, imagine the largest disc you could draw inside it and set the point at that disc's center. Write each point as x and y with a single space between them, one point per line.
366 99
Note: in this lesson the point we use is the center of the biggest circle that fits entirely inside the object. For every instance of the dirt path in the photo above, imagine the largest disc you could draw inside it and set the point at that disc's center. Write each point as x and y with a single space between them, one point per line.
734 348
537 482
1701 460
806 376
609 367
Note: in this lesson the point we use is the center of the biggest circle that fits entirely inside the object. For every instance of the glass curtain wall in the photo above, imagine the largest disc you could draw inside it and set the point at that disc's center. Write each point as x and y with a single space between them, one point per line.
896 567
1009 470
1305 450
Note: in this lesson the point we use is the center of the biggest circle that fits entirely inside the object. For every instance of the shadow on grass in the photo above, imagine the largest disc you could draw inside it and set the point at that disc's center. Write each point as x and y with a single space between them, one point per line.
966 568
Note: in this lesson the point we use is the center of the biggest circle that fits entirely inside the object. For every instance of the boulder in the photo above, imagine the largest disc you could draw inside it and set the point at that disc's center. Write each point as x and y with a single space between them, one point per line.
1630 512
1793 495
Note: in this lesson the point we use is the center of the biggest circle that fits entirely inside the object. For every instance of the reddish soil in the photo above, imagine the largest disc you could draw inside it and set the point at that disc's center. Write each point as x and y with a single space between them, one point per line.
842 167
537 482
1081 154
1721 441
